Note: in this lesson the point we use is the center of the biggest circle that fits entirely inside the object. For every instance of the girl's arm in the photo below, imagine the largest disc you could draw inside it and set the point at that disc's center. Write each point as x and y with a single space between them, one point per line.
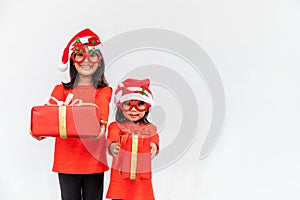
103 99
113 139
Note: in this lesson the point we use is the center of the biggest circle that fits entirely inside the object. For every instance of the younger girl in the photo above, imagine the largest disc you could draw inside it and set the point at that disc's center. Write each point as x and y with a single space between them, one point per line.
132 141
81 163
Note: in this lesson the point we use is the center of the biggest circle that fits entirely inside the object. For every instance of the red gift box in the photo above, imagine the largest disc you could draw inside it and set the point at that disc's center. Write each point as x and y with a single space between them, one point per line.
65 121
135 157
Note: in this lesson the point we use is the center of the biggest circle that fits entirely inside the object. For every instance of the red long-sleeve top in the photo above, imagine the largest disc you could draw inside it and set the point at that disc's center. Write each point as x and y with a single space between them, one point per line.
78 155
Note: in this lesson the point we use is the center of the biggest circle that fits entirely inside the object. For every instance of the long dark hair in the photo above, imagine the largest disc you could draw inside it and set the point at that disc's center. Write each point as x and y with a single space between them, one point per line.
121 119
99 80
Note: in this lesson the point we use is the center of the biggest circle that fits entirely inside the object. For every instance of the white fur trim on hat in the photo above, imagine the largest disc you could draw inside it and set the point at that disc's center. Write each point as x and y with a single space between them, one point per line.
136 96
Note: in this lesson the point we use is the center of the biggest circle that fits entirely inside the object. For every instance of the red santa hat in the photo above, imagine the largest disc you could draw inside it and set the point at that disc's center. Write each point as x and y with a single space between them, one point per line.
134 89
85 36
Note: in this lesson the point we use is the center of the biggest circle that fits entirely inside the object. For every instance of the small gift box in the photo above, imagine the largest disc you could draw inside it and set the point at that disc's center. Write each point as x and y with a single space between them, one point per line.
134 158
81 120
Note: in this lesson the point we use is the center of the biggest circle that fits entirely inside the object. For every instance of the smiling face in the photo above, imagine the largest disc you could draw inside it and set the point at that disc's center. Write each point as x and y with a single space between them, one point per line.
86 63
136 112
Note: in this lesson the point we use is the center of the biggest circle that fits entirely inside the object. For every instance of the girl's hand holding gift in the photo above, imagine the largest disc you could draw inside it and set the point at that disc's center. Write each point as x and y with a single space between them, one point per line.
153 149
39 138
102 130
114 148
102 127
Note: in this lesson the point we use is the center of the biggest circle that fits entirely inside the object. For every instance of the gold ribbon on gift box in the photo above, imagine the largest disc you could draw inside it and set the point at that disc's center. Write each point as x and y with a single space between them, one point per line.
62 112
134 151
62 118
135 131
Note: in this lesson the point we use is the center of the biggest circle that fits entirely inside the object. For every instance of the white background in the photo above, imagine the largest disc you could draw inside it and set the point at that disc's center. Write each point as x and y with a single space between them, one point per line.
255 47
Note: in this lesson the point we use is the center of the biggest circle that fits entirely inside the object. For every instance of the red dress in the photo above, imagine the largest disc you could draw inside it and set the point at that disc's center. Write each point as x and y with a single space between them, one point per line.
121 186
77 155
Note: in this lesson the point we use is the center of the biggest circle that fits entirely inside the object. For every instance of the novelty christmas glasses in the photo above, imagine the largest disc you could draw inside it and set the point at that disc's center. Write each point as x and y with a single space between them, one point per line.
93 56
83 51
137 104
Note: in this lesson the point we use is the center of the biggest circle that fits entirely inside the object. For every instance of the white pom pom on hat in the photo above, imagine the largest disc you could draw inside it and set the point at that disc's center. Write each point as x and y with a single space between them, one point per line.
86 36
63 67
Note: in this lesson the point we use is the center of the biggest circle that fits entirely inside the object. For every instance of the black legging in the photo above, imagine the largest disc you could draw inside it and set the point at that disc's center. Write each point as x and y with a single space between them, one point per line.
81 186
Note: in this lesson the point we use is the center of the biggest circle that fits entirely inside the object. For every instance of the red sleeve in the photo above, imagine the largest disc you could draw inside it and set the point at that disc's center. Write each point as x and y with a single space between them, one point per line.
103 98
113 134
57 93
155 139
